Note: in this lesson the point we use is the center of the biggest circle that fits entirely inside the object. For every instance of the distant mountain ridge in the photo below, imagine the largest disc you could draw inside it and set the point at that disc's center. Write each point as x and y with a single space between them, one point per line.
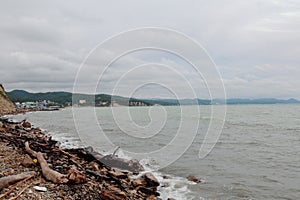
222 101
64 98
262 101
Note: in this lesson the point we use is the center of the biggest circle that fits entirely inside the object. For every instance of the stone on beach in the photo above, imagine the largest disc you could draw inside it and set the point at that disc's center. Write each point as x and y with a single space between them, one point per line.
40 189
27 161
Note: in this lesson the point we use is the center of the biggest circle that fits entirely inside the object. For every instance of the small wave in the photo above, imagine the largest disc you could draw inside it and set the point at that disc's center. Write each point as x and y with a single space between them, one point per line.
292 129
170 186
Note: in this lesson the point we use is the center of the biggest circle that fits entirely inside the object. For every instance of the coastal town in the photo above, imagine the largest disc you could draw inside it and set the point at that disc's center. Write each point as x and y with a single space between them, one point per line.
38 105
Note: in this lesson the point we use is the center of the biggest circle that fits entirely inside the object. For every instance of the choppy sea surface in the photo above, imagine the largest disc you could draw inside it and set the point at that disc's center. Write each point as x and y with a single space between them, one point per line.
256 157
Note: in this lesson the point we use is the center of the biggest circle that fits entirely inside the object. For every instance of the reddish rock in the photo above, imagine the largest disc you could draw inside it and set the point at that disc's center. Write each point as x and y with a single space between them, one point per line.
76 177
146 185
27 161
118 174
147 180
26 124
137 182
108 195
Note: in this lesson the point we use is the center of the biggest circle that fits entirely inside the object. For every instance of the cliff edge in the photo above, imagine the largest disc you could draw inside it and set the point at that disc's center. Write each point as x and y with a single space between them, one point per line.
6 106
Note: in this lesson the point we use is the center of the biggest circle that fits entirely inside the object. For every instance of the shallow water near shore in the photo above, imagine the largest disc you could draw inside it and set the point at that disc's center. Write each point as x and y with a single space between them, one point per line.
256 157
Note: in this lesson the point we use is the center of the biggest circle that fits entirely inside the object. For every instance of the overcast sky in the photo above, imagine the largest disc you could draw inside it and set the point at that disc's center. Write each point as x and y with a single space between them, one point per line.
255 44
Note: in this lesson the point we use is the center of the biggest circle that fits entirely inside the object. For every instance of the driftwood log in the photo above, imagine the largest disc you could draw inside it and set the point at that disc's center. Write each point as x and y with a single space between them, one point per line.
73 177
16 185
8 180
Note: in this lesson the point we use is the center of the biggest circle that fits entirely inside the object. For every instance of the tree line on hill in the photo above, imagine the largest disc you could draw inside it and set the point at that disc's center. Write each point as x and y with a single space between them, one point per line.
67 98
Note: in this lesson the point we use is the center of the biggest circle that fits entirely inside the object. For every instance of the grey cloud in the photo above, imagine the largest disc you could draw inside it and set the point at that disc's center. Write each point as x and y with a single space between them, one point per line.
256 44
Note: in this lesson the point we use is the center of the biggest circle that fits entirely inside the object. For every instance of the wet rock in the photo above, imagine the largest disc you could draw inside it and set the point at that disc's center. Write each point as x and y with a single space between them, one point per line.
193 179
26 124
165 185
166 177
150 179
135 166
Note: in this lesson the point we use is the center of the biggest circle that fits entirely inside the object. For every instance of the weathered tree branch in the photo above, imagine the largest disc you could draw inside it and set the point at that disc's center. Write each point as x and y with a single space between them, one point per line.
8 180
49 173
74 176
29 176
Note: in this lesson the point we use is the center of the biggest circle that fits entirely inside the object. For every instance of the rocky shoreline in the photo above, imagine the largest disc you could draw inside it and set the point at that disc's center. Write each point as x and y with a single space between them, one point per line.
49 172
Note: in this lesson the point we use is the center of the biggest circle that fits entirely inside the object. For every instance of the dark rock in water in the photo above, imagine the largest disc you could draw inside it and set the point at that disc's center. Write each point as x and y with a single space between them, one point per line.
193 179
26 124
135 166
166 177
165 185
150 179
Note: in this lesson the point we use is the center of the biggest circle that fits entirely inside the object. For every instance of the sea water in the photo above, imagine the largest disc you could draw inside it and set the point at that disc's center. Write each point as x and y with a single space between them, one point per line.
256 157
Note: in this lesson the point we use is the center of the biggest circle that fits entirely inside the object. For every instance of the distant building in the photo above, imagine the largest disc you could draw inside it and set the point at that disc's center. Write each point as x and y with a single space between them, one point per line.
103 103
82 101
42 104
30 104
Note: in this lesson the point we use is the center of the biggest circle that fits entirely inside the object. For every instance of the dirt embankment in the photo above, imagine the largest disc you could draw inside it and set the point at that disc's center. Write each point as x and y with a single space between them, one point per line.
6 106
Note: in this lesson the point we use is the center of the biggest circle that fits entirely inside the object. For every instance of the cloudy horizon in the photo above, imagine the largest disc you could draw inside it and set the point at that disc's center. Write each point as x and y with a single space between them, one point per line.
255 45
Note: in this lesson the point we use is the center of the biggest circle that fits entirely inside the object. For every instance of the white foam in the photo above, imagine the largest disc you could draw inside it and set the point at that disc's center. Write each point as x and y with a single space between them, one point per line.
170 187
